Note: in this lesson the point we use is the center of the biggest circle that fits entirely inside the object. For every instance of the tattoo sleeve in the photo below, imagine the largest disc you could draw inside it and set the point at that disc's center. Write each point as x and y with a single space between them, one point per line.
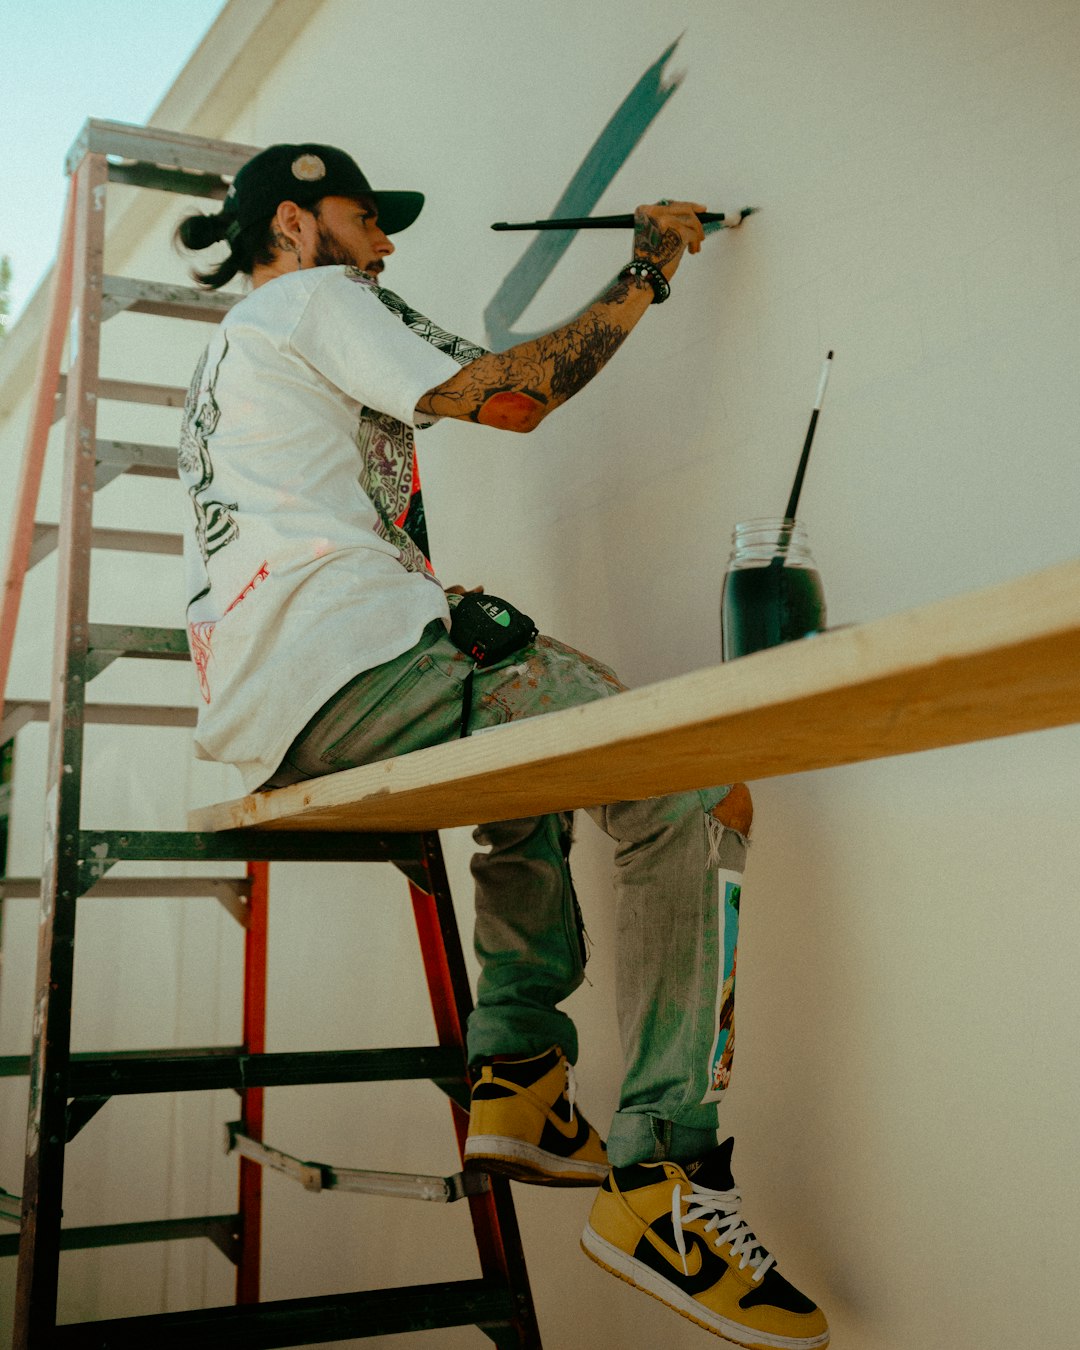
516 389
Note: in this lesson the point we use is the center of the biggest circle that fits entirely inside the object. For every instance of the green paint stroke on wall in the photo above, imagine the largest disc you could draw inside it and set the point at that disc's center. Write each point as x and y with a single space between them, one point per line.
610 151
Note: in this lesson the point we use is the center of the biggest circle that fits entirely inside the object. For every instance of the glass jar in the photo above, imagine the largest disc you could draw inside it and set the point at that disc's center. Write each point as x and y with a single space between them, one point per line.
772 590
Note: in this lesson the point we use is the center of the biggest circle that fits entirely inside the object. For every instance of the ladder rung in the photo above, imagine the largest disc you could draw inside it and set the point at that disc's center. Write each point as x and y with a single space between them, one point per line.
19 712
152 644
206 1070
18 1066
101 849
131 457
230 892
154 297
168 180
315 1176
300 1321
122 888
166 149
127 391
46 538
11 1206
221 1229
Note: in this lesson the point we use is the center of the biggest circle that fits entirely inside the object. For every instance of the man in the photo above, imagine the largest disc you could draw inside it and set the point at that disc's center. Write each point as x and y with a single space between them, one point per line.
319 634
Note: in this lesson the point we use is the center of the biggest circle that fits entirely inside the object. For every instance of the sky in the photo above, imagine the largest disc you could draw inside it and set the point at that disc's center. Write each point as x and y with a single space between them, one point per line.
64 61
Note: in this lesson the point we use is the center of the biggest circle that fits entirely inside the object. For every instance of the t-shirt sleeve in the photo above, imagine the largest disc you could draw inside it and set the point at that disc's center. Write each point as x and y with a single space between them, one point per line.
360 346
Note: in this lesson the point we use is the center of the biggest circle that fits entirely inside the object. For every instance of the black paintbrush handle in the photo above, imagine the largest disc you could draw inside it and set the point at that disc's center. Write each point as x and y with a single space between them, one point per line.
593 222
800 473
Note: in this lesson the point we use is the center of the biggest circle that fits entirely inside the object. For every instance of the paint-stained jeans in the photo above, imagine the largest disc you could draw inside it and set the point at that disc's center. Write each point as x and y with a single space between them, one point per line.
677 875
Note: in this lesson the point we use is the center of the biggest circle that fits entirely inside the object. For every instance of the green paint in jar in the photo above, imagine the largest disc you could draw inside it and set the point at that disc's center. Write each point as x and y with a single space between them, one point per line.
772 590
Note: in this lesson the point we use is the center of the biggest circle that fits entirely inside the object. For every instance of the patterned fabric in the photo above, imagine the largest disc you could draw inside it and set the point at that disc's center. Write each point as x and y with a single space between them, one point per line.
389 473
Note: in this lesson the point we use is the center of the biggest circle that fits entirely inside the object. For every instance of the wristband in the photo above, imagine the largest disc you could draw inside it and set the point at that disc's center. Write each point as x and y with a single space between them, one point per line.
652 274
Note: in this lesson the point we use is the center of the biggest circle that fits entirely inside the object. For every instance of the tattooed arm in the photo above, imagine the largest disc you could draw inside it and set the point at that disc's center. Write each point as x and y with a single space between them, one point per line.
515 390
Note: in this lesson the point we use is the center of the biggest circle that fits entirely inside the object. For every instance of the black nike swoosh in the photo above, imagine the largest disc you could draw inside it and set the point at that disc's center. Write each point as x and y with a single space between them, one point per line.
553 1140
711 1268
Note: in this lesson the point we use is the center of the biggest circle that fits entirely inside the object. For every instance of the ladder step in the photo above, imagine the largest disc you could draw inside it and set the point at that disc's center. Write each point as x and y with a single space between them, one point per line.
168 180
121 888
299 1321
315 1176
130 1073
127 391
47 536
131 457
231 892
151 644
155 297
108 642
18 713
101 849
221 1229
10 1207
165 149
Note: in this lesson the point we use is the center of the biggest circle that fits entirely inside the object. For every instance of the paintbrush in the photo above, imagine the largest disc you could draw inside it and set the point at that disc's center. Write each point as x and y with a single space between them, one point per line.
784 537
625 222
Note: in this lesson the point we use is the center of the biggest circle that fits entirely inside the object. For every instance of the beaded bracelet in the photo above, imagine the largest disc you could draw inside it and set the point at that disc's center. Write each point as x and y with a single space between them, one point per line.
652 274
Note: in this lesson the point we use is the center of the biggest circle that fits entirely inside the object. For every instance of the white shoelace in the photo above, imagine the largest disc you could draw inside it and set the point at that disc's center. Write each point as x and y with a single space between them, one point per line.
721 1208
571 1088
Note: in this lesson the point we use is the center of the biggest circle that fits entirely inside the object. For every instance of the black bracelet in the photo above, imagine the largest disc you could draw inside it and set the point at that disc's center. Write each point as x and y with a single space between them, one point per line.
652 274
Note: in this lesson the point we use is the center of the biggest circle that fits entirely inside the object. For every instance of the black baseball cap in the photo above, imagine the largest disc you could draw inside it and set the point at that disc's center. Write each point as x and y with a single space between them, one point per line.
303 174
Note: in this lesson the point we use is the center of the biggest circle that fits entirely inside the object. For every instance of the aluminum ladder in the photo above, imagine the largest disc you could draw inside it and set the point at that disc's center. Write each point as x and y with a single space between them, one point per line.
67 1090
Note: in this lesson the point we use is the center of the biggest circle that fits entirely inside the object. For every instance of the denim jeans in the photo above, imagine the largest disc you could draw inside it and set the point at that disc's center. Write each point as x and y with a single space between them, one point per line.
677 888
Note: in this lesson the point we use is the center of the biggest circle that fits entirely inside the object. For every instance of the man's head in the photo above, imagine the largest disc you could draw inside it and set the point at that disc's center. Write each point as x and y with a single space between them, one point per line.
300 206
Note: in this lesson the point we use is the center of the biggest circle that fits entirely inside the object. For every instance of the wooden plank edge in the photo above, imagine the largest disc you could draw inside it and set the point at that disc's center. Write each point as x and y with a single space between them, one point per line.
1007 658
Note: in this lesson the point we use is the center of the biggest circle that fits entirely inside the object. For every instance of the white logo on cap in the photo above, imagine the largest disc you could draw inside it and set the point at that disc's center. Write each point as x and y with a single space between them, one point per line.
308 168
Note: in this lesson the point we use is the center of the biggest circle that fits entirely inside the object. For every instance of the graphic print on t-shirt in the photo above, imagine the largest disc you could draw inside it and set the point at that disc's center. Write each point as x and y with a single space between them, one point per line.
389 477
215 525
389 473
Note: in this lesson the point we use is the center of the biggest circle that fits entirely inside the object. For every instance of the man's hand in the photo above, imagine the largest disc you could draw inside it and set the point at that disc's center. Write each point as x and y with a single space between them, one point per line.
664 231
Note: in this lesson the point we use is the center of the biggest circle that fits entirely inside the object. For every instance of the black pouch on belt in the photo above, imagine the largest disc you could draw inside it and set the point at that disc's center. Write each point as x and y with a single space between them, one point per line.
487 629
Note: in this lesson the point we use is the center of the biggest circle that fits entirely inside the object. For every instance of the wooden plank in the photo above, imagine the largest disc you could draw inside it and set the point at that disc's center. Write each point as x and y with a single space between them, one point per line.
992 663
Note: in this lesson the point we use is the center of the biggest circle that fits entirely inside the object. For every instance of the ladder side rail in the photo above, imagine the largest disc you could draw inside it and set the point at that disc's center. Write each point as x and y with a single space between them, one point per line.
494 1220
252 1099
47 382
36 1288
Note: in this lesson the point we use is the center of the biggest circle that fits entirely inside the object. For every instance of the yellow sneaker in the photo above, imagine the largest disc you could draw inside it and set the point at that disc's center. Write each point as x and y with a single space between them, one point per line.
523 1123
676 1232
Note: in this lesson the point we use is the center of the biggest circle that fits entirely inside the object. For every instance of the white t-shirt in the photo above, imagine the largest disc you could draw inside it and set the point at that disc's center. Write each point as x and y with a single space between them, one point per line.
297 454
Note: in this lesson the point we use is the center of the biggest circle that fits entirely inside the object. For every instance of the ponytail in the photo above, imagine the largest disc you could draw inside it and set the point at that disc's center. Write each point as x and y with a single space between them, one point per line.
248 247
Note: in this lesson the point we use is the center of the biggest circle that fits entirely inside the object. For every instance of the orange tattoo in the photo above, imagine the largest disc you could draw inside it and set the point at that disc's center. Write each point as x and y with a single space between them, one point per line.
510 412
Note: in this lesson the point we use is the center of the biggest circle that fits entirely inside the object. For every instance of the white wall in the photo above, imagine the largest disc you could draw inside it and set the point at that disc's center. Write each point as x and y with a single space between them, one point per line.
905 1101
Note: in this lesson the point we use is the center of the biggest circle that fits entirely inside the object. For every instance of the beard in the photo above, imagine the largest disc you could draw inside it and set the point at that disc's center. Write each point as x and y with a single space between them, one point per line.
330 252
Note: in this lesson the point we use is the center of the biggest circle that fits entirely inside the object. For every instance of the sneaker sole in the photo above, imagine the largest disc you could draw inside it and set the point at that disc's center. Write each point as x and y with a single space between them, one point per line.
526 1162
617 1262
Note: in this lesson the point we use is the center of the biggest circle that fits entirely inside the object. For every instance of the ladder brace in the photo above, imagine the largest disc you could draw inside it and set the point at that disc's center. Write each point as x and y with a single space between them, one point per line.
315 1176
